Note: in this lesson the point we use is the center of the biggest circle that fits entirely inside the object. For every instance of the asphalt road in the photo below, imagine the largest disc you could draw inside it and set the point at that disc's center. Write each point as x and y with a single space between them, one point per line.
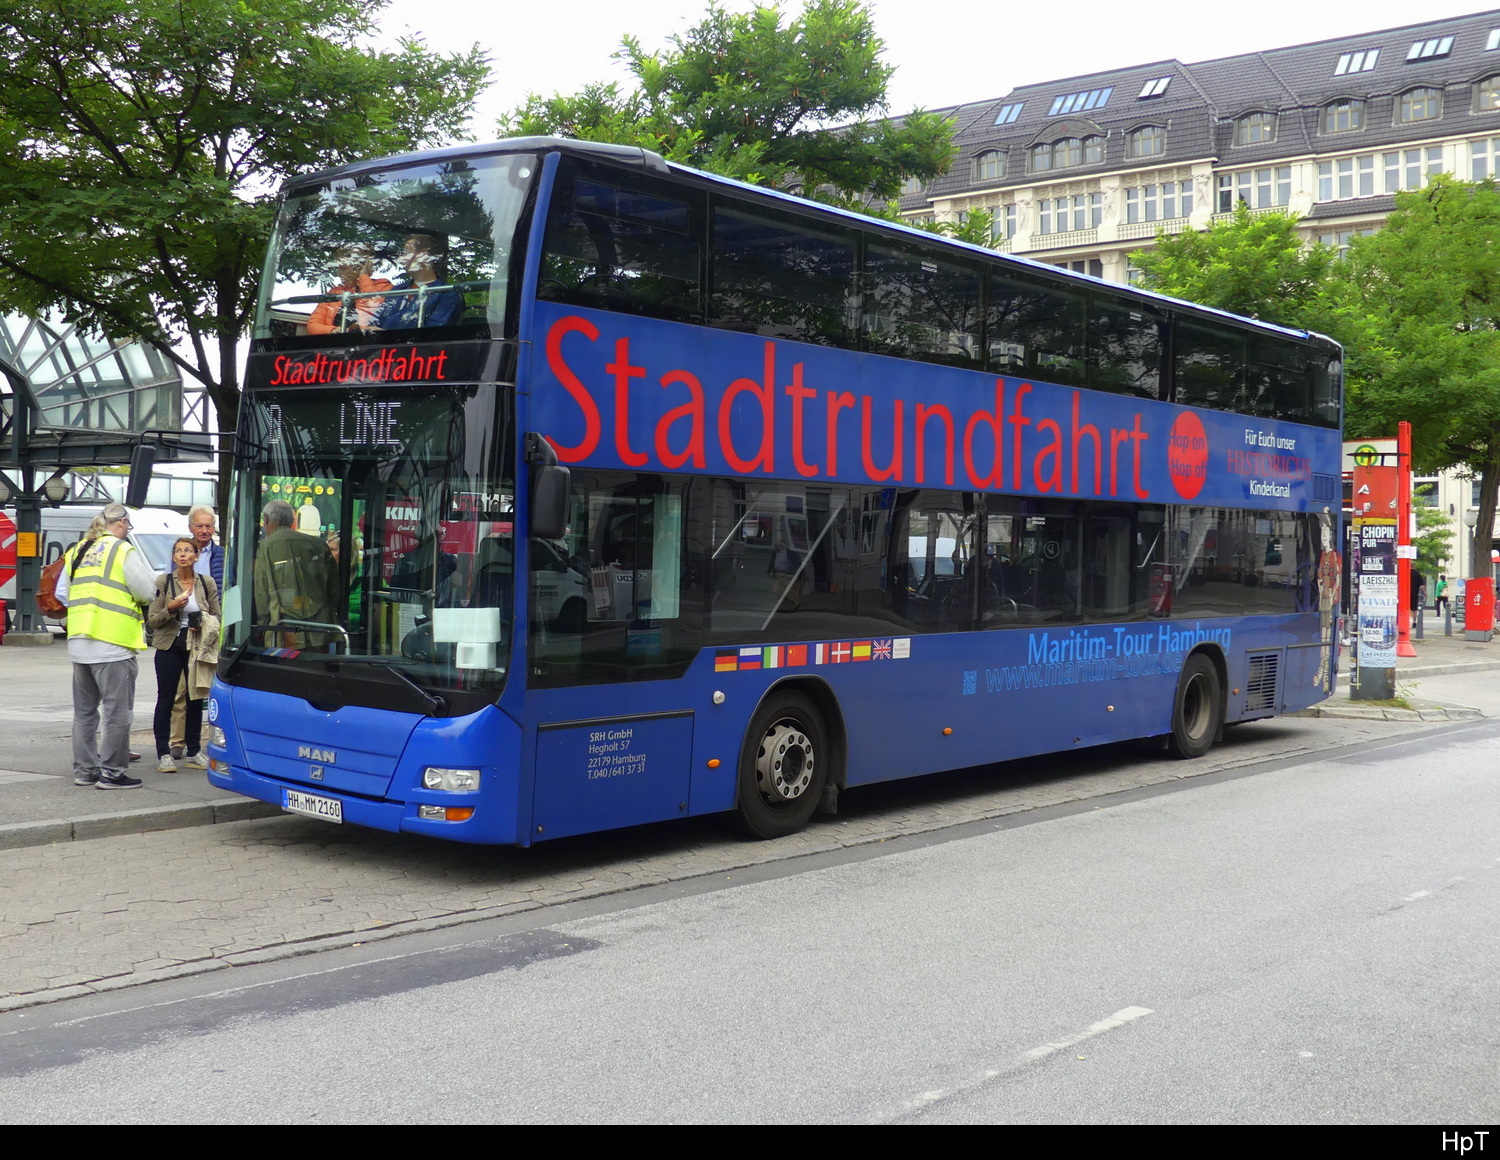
1312 940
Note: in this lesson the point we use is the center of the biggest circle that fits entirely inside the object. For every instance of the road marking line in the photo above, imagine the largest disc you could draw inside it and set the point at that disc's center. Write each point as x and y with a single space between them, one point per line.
928 1098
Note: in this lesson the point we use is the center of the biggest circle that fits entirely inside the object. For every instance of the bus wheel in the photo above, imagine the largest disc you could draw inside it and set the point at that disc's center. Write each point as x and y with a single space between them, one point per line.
783 767
1199 709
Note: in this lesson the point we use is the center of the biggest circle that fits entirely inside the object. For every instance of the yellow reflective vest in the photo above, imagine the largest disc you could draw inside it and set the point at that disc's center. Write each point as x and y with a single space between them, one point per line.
100 603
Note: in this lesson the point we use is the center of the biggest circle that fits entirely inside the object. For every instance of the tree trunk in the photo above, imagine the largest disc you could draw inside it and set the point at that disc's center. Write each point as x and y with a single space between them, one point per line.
1484 527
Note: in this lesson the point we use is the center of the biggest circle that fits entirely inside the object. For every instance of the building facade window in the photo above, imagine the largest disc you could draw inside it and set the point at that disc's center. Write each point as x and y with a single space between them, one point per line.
989 166
1343 116
1003 222
1060 215
1376 173
911 185
1339 240
1484 159
1147 141
1093 267
1257 188
1067 152
1153 203
1419 105
1487 95
1255 129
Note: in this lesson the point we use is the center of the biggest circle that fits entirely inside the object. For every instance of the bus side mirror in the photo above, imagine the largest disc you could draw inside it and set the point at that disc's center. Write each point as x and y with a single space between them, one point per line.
550 485
549 502
142 459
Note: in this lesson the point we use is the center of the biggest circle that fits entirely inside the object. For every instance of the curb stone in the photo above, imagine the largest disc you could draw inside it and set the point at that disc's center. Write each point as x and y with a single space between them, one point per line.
18 835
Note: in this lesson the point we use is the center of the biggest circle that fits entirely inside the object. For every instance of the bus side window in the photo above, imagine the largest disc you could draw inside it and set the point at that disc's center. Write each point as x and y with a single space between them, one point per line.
1209 368
782 278
1036 329
917 306
623 247
1125 349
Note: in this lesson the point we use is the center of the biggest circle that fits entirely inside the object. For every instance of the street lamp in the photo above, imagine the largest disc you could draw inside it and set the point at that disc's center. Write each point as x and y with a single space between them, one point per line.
56 490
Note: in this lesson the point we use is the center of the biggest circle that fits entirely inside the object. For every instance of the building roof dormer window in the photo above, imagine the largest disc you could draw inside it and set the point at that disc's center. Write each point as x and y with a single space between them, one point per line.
1153 88
1066 152
1343 116
1147 141
1255 128
1421 104
1008 113
989 166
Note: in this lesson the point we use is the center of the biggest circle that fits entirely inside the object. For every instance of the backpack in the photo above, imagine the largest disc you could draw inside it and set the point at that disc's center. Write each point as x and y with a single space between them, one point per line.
47 602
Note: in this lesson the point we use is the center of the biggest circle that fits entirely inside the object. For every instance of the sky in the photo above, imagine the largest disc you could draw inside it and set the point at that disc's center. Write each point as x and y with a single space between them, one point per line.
967 52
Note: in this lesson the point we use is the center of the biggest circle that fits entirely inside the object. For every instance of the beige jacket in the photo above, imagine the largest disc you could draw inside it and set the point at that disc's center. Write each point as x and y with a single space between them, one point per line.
162 624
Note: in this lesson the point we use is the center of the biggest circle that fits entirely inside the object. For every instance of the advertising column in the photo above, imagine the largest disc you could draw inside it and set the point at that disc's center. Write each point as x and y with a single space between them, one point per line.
1376 583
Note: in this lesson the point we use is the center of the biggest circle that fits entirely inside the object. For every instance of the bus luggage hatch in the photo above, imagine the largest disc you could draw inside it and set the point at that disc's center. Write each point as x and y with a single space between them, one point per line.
600 775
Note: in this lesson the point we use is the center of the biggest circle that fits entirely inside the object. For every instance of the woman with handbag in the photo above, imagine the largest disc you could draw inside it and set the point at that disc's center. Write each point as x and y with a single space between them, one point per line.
182 597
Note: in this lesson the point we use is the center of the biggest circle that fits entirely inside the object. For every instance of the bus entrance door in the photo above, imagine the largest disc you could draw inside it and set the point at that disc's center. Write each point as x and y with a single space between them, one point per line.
623 771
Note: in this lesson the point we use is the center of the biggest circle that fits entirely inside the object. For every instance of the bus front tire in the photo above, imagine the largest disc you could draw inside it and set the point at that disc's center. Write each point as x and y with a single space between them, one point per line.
783 767
1198 711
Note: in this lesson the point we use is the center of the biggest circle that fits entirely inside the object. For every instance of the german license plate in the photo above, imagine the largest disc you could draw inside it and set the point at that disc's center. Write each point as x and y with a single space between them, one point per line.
329 809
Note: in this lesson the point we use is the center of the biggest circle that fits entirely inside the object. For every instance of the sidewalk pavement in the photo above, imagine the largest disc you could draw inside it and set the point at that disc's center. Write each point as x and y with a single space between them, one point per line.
40 805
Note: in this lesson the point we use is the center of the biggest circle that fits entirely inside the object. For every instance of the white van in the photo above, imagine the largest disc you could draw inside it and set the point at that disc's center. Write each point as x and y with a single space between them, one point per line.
152 530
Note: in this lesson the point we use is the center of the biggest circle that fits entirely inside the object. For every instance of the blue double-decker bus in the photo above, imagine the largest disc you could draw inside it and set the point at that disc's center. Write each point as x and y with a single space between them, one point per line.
577 490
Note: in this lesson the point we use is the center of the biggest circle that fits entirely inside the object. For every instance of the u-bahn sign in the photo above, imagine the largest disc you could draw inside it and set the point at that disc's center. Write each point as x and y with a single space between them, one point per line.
1369 453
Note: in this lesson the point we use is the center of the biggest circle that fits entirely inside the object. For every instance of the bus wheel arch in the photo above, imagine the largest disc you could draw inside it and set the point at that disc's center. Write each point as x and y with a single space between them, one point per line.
792 751
1198 704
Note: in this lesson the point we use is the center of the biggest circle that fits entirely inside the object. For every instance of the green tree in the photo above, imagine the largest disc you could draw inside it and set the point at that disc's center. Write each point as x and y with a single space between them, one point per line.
1434 538
797 105
1417 306
1256 265
141 142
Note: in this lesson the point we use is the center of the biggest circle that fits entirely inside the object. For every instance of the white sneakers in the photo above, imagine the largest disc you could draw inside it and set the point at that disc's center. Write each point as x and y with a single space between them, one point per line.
165 764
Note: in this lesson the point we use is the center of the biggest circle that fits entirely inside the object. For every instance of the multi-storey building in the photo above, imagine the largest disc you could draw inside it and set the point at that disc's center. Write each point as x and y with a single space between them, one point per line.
1083 171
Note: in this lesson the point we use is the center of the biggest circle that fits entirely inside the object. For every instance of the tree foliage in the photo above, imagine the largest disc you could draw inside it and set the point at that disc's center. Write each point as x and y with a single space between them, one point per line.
1434 538
1417 306
798 104
1255 265
141 142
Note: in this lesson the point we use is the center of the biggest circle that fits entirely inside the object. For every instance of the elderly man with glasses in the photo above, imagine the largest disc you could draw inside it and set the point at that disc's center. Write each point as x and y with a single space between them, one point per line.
104 583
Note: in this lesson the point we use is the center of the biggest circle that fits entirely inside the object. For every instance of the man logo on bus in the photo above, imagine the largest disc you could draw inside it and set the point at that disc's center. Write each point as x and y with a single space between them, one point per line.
1187 455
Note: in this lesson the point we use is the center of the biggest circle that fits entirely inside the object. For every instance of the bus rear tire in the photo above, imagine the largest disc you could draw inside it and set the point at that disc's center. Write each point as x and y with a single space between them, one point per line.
1198 710
783 767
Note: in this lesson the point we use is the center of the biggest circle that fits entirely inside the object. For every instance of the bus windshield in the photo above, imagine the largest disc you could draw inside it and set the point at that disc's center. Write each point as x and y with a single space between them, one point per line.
375 524
382 256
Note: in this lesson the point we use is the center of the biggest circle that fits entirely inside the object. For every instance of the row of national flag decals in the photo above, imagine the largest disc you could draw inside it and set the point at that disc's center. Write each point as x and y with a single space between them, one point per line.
792 656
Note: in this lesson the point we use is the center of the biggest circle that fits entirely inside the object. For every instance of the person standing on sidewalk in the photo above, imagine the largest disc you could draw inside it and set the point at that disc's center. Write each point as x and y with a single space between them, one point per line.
210 563
182 597
104 583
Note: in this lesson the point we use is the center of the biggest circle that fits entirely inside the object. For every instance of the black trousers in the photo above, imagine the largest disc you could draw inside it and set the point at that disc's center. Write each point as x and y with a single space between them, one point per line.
171 664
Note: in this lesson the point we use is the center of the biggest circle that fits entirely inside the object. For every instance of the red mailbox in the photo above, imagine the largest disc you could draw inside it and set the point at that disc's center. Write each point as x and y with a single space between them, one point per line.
1479 601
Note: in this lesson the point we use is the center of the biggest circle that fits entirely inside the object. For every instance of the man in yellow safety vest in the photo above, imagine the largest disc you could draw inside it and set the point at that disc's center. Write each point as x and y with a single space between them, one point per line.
104 583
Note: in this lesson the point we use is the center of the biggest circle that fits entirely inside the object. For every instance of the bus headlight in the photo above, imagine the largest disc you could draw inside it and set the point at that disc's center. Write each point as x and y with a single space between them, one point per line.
216 737
451 780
